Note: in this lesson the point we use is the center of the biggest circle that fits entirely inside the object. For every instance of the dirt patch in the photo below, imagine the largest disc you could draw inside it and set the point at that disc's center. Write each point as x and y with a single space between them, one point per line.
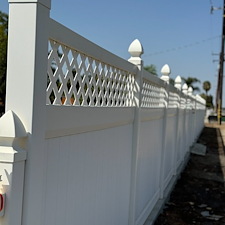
199 195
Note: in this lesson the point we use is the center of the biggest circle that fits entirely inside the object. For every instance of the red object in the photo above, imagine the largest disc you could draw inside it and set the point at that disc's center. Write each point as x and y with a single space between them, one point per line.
1 202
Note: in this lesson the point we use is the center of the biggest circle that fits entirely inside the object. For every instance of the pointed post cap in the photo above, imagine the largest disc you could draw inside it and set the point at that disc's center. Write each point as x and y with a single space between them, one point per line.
178 82
185 88
190 91
135 49
165 71
12 137
11 126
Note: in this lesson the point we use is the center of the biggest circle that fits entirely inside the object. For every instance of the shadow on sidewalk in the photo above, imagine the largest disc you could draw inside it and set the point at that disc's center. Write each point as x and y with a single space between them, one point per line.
199 195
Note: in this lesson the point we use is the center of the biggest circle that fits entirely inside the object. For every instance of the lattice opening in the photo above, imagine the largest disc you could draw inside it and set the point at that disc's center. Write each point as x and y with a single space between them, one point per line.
85 88
69 85
98 91
52 97
70 57
59 83
74 73
54 66
81 100
78 60
78 88
95 101
89 78
93 65
104 91
96 78
60 52
101 101
88 100
82 73
86 63
48 80
92 90
64 69
63 98
73 99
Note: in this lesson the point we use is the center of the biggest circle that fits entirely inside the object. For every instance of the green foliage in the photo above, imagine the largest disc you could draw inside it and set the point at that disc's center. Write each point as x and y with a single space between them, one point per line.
151 69
209 100
206 86
191 81
3 56
172 81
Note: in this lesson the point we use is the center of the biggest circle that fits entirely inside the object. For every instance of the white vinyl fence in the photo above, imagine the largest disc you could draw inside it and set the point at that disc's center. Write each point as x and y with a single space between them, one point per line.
87 138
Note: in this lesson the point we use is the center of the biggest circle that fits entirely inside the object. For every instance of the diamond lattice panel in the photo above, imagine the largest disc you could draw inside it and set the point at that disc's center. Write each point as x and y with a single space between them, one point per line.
174 100
183 103
152 96
76 79
190 104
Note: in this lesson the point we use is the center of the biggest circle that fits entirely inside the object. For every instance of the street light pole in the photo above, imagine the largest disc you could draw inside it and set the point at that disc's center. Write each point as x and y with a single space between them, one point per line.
220 75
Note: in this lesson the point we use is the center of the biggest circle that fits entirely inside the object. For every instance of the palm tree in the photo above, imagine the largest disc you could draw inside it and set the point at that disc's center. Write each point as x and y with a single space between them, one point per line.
190 81
206 86
151 69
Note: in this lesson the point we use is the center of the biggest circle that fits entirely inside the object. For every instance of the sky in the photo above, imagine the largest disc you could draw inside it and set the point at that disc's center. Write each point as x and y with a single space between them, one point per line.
180 33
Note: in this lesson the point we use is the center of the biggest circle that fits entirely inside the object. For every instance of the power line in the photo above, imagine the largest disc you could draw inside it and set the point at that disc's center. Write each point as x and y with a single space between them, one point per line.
182 47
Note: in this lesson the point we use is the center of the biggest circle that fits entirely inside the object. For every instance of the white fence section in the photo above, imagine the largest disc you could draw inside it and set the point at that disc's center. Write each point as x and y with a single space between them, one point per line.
88 138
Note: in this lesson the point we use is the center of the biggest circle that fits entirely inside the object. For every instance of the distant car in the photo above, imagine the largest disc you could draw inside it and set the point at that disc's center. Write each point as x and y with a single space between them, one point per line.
212 118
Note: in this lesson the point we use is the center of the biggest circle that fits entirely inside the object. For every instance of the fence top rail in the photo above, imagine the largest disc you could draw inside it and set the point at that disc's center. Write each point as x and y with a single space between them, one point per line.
74 41
153 79
159 82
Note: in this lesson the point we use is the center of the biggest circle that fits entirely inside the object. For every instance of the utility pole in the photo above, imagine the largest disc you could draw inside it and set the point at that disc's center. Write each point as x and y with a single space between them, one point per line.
219 94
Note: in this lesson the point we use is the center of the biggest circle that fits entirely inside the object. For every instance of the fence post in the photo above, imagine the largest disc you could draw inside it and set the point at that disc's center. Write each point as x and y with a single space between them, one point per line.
191 112
195 119
185 91
165 76
12 162
136 50
26 92
178 82
177 85
165 71
185 88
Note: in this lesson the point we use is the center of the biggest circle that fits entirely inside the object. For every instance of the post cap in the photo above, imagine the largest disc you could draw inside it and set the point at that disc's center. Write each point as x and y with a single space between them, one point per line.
135 48
178 82
190 91
11 126
185 88
178 79
165 70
